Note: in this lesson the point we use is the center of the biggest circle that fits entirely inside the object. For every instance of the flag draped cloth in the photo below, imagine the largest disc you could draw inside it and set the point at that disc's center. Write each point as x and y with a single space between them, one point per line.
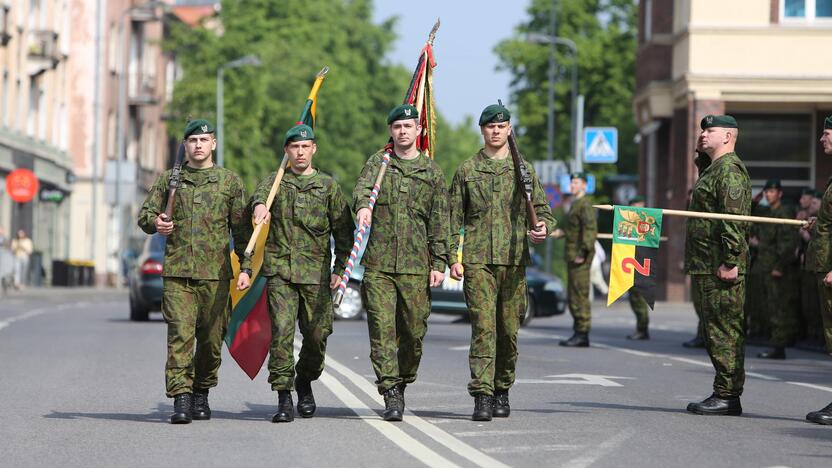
635 243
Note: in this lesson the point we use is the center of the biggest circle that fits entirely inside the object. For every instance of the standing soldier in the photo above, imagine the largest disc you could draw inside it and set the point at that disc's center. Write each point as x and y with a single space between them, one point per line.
580 231
809 299
715 256
406 254
488 202
819 260
308 208
777 266
637 301
210 202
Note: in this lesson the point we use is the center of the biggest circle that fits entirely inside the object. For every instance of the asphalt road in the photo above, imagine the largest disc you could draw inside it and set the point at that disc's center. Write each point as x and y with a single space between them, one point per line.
80 385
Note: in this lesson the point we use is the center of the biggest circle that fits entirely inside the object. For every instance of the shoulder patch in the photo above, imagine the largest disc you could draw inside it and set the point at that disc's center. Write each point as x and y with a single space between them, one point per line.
734 192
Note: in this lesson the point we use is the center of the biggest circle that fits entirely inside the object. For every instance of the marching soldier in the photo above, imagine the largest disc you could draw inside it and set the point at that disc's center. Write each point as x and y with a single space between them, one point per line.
308 208
210 202
406 254
819 260
488 202
637 301
715 256
580 231
776 264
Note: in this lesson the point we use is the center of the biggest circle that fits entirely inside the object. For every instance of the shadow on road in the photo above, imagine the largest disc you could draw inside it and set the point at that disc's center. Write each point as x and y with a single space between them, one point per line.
810 431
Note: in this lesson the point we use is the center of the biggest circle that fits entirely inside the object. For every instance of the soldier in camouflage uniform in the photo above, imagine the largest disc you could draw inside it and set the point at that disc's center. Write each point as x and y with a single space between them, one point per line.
308 208
809 299
210 202
777 265
637 301
580 231
488 202
406 254
715 256
819 260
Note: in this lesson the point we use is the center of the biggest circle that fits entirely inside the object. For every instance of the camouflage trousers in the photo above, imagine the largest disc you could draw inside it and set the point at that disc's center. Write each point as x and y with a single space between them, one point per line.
721 304
496 298
697 307
810 305
780 299
640 309
756 308
310 305
195 311
825 293
398 306
577 295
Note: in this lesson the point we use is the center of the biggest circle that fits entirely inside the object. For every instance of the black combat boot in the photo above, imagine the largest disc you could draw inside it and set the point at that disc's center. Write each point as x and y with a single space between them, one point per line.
696 342
578 340
501 406
393 404
483 407
639 335
306 400
183 405
717 406
402 387
285 410
823 416
777 352
201 412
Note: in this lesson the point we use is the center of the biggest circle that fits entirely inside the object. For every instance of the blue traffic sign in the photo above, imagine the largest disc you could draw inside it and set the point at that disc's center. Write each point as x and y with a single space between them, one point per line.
600 145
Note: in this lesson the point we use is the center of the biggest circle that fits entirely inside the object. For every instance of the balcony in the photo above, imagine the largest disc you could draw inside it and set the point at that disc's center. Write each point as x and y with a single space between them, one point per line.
43 51
142 90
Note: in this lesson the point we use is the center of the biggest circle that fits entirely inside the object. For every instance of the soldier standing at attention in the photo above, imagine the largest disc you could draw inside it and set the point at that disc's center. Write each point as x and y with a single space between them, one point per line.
488 202
637 301
777 265
308 208
406 255
580 231
819 260
210 203
715 257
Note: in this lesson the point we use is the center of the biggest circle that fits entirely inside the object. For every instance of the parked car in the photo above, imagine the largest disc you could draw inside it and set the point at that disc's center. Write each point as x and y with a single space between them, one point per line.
145 279
546 296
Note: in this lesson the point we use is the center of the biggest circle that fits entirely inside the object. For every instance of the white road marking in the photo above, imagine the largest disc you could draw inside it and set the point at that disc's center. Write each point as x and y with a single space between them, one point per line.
499 433
808 385
577 379
459 348
457 446
36 312
533 448
601 451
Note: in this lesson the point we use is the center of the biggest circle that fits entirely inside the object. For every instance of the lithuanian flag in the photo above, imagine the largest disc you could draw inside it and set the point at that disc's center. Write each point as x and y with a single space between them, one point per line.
249 332
635 242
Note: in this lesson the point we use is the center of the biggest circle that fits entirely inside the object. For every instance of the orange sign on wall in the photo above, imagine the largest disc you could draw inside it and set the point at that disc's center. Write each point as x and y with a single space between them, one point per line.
22 185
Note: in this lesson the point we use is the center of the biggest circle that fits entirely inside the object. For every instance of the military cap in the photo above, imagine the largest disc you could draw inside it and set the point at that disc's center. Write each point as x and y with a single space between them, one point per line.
636 199
198 127
300 132
402 112
827 123
723 121
579 175
494 113
773 183
807 191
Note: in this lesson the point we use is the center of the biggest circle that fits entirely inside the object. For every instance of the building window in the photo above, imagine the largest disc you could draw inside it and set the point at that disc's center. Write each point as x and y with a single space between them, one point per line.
777 146
806 9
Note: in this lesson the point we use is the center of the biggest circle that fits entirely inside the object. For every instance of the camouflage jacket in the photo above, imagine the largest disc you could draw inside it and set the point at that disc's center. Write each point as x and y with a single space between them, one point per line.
486 200
777 242
410 218
305 211
723 187
818 255
209 204
580 230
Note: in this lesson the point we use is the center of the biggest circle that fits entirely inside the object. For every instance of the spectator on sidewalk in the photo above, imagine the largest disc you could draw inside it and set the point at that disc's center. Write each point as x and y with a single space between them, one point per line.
21 248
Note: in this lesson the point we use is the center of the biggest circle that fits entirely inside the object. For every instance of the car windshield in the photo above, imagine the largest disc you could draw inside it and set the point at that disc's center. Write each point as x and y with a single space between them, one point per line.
157 243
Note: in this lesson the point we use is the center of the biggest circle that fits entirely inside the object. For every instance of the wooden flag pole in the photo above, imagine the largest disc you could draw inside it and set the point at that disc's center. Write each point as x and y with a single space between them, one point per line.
723 216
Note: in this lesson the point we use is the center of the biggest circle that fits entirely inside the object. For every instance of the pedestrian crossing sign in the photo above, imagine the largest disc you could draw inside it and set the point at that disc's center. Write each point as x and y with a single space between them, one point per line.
600 145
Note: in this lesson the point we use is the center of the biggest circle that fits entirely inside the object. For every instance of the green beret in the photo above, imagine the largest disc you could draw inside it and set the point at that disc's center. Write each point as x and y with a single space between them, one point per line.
300 132
773 183
807 191
402 112
723 121
827 123
494 113
198 127
636 199
579 175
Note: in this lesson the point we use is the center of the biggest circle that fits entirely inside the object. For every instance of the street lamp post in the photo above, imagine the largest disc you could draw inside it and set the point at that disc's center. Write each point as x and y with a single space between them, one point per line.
251 60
